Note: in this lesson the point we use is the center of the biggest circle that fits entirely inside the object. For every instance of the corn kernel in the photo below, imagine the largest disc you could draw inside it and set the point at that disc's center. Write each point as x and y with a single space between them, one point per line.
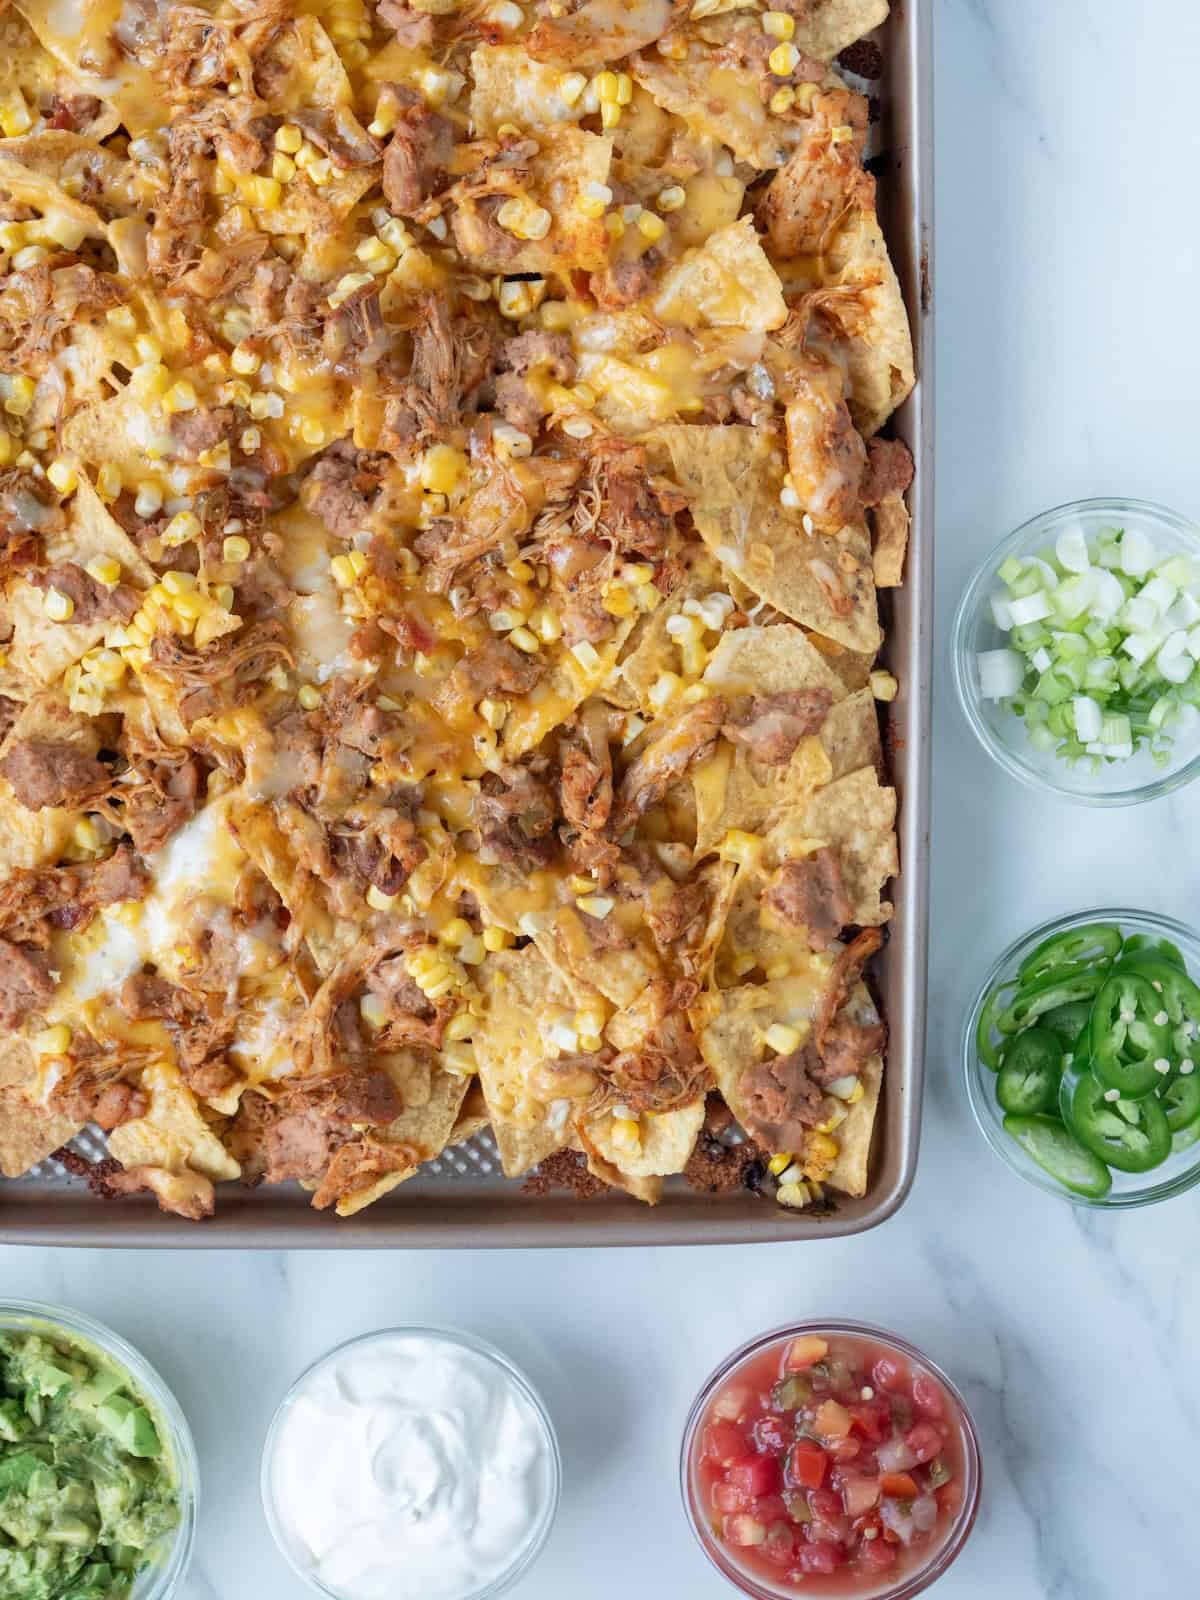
288 138
53 1041
782 100
494 713
779 24
182 527
779 1164
610 113
883 686
342 572
180 396
320 171
586 654
624 88
19 401
524 640
783 60
782 1039
626 1134
264 194
496 938
373 1011
108 666
546 624
63 476
842 134
283 168
671 198
594 199
570 86
59 607
651 227
235 548
596 905
14 115
461 1026
223 595
105 570
245 360
524 220
442 468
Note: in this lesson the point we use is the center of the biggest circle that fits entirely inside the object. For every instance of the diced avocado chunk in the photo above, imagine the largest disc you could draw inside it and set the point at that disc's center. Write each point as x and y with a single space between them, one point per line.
130 1425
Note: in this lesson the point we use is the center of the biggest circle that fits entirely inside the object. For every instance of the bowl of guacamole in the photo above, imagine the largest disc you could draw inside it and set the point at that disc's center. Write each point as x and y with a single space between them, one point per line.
97 1466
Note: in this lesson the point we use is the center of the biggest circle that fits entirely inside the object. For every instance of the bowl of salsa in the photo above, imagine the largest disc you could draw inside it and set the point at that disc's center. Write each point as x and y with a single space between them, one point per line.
830 1459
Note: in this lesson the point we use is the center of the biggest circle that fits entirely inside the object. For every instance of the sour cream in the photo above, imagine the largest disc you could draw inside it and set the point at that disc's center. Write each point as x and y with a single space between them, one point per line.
410 1466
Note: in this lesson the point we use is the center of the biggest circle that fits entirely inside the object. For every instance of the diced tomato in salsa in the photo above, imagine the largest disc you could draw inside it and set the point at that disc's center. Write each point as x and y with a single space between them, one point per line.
828 1462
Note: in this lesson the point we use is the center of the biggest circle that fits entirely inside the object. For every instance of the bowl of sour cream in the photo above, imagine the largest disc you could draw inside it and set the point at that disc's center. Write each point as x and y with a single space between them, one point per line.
411 1464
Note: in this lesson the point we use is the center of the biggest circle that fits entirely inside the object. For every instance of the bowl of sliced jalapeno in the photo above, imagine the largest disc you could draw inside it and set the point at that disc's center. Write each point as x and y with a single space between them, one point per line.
1082 1057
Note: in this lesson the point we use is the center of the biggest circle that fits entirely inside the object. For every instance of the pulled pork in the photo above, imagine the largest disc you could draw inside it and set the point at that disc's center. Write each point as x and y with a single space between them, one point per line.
682 745
516 819
25 983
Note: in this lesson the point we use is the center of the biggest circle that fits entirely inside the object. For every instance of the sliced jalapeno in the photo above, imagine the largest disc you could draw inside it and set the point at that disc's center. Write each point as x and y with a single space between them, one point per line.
1067 1021
1036 999
1131 1135
1097 942
1129 1042
1046 1141
1181 1102
989 1051
1144 944
1178 997
1030 1073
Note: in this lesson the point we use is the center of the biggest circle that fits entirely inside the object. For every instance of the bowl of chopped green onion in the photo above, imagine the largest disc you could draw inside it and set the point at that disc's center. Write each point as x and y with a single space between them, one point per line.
1082 1058
1076 651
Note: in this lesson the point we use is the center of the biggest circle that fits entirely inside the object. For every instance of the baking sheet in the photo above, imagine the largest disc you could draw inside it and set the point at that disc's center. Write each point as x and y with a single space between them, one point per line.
462 1199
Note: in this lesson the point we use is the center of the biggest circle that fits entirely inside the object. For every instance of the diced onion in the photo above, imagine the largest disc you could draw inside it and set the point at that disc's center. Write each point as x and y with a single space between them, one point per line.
1071 549
1107 596
1030 608
1160 593
1001 673
1137 553
1001 611
1087 717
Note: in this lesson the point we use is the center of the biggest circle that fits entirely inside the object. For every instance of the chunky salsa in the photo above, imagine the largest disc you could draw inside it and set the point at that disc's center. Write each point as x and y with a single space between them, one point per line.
831 1464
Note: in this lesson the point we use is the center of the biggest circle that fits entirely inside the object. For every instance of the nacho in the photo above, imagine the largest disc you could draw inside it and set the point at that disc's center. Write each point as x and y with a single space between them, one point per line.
734 477
438 602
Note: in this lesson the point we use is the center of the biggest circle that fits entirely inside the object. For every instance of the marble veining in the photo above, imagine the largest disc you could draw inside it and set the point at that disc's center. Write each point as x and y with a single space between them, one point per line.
1067 257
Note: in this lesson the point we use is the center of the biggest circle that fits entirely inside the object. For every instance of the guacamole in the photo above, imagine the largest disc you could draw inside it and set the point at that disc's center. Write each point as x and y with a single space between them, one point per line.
87 1486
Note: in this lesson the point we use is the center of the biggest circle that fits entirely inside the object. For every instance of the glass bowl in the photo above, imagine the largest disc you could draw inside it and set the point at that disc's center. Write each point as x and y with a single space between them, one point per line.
1179 1172
891 1586
163 1577
1001 732
518 1385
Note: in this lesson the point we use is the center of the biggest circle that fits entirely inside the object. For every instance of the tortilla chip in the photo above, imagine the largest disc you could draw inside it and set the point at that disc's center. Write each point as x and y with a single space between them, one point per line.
857 814
735 792
770 661
505 76
47 169
735 1039
850 734
28 1132
727 282
432 1099
867 323
891 524
652 651
524 996
257 829
733 476
472 1118
620 973
666 1141
172 1135
719 102
826 27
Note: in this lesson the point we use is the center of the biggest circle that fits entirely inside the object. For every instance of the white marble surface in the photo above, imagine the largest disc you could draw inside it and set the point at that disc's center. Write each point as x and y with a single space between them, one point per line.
1068 258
